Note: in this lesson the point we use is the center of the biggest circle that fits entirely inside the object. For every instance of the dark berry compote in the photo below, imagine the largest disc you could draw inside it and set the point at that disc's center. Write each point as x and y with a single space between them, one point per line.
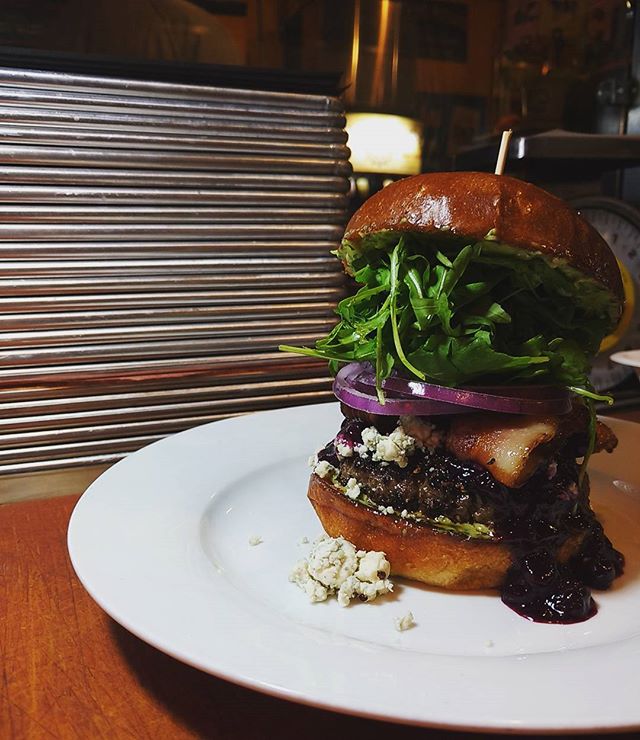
559 549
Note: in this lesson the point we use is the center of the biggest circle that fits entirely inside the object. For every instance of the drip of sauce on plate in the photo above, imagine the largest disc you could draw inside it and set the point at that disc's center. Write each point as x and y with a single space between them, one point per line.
541 589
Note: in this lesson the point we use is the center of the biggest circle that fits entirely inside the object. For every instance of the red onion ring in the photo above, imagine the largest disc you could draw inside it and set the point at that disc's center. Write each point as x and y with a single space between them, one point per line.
355 385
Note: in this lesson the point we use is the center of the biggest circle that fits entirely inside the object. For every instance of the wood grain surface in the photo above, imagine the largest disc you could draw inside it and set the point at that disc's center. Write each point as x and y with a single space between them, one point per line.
69 671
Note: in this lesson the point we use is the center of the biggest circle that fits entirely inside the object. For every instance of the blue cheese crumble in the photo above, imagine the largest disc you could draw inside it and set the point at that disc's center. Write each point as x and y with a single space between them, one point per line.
352 489
324 469
395 447
335 567
343 449
406 622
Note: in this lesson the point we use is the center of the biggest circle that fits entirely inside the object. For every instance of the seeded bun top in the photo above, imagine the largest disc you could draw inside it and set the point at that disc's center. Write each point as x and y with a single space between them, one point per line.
467 206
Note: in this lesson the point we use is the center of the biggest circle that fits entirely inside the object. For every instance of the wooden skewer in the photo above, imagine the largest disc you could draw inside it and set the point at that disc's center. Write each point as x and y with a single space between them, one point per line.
504 151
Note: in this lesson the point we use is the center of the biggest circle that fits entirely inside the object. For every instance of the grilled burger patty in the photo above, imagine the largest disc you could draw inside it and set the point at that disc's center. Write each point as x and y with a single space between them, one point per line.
435 483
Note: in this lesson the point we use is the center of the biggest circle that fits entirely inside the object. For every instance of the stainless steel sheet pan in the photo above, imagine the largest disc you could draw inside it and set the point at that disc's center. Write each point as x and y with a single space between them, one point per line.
37 298
201 265
60 156
226 379
170 231
158 349
213 141
40 79
171 249
255 362
46 409
158 242
148 316
176 107
89 120
119 338
92 214
90 421
257 199
87 285
98 177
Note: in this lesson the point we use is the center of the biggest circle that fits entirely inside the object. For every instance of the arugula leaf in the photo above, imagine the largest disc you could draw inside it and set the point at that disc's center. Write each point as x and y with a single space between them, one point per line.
396 256
473 530
481 313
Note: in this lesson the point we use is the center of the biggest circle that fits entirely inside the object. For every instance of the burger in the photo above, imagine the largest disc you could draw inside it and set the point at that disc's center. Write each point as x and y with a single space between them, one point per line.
462 362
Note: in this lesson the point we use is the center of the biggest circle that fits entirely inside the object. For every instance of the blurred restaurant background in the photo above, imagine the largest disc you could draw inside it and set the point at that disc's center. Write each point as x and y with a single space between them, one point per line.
175 173
459 70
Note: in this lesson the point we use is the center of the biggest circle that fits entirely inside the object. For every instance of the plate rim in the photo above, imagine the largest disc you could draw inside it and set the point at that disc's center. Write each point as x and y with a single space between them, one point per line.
622 358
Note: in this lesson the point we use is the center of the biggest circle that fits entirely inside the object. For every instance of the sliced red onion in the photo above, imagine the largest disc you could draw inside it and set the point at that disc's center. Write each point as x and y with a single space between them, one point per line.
422 399
345 391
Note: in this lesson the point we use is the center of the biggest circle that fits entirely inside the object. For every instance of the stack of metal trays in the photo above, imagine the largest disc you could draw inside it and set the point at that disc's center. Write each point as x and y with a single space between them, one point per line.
157 243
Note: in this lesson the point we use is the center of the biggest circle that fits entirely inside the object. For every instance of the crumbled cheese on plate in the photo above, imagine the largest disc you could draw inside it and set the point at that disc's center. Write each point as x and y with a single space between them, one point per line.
406 622
335 567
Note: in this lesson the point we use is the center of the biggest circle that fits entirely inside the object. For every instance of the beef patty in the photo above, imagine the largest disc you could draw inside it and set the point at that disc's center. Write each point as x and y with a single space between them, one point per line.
436 483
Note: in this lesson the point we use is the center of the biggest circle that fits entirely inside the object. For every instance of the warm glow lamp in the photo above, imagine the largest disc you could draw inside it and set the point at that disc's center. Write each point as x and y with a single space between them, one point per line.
384 143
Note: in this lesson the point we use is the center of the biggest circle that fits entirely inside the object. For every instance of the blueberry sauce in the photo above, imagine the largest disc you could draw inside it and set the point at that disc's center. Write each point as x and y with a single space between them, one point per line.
598 563
548 584
350 434
541 590
559 548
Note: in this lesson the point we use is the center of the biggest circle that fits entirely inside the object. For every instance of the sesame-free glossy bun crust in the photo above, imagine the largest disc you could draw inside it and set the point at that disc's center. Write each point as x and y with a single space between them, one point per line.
417 551
469 205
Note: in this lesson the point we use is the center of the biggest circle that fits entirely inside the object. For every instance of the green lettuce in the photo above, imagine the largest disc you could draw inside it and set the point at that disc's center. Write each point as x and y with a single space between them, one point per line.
473 530
483 314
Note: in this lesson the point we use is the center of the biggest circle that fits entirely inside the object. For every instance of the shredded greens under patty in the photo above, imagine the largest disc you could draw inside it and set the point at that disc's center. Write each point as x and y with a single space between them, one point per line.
484 314
473 530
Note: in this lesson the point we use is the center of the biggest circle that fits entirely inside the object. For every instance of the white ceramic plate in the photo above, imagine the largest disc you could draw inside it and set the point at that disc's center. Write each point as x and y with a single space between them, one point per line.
630 357
161 542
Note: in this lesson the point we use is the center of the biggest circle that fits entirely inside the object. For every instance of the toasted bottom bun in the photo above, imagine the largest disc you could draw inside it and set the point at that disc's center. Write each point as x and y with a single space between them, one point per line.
415 550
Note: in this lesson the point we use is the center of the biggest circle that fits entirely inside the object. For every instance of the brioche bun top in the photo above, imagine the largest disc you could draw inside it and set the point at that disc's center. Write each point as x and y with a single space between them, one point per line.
467 206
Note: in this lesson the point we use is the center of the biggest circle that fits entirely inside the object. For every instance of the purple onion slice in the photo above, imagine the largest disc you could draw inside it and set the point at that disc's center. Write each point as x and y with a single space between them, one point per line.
355 385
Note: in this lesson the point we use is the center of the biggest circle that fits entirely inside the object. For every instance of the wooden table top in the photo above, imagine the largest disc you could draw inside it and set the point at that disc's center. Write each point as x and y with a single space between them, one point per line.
69 671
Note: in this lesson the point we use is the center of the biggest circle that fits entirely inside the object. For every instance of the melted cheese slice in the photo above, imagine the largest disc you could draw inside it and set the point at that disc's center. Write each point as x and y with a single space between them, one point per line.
510 447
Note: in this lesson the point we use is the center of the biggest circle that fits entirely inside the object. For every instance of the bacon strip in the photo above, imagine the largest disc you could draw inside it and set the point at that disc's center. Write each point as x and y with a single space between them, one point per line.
506 445
513 447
